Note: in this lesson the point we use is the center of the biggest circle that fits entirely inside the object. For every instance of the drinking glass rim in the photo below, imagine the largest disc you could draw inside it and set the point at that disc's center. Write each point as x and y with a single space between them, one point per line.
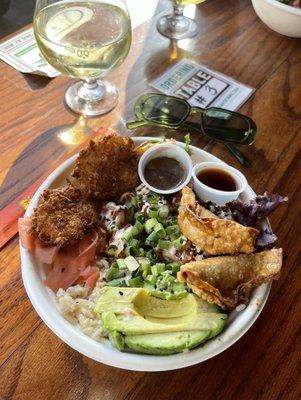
72 1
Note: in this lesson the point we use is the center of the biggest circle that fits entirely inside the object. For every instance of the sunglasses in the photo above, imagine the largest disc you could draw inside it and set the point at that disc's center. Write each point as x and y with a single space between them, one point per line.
215 123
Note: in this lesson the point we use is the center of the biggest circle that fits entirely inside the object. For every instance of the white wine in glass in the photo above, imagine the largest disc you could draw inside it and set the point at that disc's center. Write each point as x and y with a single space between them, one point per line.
86 40
177 26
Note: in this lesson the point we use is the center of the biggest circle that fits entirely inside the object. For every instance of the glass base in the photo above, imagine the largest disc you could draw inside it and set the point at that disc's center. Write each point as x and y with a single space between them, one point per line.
92 98
177 27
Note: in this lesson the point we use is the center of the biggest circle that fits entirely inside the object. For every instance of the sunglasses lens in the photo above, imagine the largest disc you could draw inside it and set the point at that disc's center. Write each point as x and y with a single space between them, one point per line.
228 126
165 110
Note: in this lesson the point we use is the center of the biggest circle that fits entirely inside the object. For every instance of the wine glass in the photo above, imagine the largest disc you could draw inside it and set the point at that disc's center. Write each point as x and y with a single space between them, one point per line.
177 26
86 40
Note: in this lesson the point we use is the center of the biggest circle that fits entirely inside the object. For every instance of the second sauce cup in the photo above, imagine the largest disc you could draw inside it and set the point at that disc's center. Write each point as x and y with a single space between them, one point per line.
216 182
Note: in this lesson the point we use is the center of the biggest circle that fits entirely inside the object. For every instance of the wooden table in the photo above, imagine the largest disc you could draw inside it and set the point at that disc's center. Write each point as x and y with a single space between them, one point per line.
265 363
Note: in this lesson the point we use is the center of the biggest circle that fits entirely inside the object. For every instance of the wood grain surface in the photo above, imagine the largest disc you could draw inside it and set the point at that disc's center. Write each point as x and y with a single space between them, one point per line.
265 363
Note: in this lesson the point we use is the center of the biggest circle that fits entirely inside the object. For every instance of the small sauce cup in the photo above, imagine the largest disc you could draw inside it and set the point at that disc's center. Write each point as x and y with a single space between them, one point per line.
171 151
219 197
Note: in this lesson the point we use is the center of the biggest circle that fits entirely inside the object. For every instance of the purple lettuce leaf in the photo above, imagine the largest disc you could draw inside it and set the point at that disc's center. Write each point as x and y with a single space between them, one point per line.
250 214
265 240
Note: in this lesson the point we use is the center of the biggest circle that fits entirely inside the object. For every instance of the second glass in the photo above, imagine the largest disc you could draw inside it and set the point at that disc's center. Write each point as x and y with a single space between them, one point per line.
86 40
177 26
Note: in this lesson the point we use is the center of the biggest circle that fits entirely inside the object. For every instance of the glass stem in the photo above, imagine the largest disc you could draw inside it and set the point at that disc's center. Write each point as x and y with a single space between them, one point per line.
178 10
90 84
178 23
91 90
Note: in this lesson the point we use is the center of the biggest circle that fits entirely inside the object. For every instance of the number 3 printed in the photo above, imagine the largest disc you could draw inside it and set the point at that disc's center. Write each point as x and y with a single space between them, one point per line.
211 90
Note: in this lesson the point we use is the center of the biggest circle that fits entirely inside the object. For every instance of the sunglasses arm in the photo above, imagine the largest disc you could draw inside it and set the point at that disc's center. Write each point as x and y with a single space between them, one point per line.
136 124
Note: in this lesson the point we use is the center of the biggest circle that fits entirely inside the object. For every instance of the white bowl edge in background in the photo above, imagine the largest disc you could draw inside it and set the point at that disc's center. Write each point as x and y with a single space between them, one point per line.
43 300
280 17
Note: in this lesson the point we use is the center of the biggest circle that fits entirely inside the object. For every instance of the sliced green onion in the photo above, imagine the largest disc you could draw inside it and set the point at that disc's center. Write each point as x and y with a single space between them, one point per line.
175 236
174 267
151 279
158 226
154 270
167 277
178 286
167 272
157 269
150 224
152 198
139 216
139 252
139 226
153 212
164 244
121 264
148 286
145 273
178 243
114 264
134 243
131 263
111 272
187 143
117 282
135 201
160 267
163 211
161 233
128 251
129 233
144 262
152 239
112 250
151 255
159 229
172 229
136 282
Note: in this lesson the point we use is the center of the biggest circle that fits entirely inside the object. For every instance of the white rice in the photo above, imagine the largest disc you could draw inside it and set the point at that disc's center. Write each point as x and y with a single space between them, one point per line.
77 306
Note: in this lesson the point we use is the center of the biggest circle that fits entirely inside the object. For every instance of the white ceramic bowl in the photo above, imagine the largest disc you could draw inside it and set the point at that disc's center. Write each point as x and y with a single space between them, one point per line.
219 197
280 17
44 302
166 150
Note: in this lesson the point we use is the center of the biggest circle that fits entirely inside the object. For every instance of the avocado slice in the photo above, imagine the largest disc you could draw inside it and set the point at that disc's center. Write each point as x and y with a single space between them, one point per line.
158 308
120 294
117 339
138 321
137 325
166 343
140 302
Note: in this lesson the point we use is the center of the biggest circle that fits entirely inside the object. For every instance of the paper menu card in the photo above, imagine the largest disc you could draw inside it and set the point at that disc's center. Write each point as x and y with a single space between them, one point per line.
23 54
202 87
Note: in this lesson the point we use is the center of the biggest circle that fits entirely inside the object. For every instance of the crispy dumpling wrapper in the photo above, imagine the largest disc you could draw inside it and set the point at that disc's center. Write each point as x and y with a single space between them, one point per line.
227 280
213 235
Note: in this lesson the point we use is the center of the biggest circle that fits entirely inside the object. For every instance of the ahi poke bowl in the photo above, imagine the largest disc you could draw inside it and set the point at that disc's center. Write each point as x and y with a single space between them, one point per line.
141 280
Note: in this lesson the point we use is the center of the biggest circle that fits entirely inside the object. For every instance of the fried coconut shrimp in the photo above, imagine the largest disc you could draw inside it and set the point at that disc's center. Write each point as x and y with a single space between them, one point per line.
106 169
63 217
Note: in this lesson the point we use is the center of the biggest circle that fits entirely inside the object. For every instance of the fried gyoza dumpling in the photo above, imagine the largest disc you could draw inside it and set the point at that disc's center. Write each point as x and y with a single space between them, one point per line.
228 280
107 168
213 235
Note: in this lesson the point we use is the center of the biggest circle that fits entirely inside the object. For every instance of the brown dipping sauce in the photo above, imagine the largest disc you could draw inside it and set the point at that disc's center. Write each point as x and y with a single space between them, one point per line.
217 179
164 173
